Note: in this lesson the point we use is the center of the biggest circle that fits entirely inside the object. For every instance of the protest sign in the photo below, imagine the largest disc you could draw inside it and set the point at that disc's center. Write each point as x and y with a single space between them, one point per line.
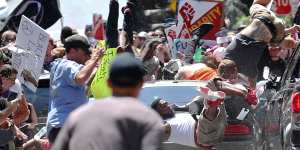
28 58
171 35
183 46
99 87
192 14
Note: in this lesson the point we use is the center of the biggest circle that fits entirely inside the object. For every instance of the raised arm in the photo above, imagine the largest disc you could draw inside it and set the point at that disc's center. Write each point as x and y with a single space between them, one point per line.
84 74
128 23
112 24
33 116
229 89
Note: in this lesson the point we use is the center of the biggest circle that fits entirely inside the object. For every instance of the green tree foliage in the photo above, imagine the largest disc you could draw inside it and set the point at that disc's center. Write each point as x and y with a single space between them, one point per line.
234 11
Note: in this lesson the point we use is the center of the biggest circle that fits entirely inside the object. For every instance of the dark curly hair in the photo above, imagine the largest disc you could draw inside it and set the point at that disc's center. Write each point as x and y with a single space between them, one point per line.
3 103
7 70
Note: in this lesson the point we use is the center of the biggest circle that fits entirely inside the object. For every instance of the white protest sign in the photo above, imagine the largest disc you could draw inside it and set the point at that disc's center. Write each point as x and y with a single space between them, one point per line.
32 42
171 35
193 13
184 46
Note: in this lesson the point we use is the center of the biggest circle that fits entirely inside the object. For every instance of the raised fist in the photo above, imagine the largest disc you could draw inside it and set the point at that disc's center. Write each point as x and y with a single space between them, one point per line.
187 12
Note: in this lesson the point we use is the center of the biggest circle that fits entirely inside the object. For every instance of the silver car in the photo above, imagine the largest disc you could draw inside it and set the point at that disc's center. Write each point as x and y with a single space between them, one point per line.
289 102
244 134
281 121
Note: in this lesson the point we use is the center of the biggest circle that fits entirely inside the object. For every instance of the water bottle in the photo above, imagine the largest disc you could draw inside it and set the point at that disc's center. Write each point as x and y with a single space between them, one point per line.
40 134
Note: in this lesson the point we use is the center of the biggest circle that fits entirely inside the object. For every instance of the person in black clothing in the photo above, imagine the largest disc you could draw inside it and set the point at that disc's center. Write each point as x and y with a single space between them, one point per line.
272 60
249 45
124 40
112 32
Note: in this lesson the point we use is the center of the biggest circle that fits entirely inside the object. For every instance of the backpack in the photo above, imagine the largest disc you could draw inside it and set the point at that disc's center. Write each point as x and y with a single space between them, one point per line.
170 69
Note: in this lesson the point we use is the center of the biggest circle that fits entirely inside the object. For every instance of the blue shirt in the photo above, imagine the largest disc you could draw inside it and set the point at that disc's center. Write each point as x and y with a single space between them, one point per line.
65 94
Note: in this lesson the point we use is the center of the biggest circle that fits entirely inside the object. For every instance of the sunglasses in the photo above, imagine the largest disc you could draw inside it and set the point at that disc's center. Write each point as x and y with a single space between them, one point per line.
274 47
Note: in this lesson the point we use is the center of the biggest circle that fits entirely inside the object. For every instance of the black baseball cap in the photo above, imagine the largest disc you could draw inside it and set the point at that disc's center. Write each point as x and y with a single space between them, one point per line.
155 102
126 70
78 41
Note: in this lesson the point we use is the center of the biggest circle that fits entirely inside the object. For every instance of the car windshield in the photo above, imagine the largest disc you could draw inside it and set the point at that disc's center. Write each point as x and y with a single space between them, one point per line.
173 94
40 99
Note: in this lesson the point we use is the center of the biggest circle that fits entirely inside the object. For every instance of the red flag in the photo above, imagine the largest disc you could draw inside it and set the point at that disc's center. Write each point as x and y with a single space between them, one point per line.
99 31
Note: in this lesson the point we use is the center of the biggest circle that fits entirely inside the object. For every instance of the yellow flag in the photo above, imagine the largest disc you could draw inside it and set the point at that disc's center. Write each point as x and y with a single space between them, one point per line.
99 87
173 5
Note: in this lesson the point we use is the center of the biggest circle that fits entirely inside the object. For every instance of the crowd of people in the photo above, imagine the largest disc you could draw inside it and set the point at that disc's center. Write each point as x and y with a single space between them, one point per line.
232 66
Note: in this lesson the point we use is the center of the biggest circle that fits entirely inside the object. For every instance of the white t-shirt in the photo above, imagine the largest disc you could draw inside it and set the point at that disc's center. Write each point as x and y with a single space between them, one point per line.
182 129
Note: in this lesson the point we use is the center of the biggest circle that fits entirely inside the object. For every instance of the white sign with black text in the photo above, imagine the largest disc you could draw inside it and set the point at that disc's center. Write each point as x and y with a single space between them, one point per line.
31 46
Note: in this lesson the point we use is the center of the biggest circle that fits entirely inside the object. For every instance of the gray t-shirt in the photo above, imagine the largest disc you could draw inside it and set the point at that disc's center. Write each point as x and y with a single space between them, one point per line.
115 123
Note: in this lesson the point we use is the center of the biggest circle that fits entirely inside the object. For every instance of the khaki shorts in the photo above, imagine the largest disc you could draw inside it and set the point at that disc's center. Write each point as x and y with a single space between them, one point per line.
209 132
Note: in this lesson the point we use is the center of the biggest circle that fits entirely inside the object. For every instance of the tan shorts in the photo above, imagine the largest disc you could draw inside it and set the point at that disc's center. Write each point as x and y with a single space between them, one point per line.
209 132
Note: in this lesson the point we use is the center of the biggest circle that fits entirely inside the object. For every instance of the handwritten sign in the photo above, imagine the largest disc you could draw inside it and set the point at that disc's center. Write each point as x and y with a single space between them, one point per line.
32 42
99 87
184 46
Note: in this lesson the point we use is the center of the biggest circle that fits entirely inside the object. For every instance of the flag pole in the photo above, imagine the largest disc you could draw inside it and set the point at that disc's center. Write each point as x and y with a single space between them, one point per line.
62 17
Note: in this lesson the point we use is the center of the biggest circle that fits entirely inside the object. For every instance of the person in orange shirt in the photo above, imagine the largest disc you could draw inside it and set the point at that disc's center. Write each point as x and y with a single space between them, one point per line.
205 71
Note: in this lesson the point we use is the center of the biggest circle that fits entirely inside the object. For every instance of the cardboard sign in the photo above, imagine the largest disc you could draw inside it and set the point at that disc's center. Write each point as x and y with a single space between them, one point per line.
99 87
32 42
192 14
184 46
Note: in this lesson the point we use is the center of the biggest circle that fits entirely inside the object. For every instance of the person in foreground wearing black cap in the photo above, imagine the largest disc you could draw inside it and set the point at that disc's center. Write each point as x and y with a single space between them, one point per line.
117 122
68 80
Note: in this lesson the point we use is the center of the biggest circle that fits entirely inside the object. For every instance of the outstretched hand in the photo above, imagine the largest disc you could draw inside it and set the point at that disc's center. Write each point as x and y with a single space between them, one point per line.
294 29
